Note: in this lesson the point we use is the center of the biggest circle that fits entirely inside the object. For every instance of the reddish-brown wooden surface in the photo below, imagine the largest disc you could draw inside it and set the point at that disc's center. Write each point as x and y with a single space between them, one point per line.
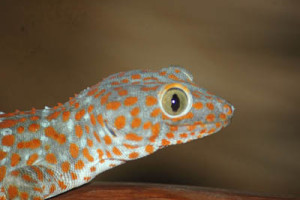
136 191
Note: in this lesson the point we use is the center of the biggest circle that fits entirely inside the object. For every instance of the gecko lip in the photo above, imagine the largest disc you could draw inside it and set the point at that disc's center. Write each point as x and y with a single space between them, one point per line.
223 122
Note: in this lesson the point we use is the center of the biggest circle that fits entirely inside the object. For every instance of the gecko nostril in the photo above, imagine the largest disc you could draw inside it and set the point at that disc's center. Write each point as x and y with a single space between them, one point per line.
228 109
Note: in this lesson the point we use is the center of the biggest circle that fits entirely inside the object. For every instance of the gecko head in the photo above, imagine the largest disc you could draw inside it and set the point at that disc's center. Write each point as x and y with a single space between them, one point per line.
148 110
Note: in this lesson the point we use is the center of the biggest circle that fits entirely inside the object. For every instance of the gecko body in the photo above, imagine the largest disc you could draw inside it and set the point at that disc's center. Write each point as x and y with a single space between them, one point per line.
126 116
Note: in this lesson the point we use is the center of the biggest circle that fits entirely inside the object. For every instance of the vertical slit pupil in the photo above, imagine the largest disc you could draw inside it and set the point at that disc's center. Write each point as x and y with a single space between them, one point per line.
175 103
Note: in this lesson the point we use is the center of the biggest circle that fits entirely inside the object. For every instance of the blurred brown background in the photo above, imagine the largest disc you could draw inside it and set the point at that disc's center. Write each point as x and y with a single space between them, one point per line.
245 51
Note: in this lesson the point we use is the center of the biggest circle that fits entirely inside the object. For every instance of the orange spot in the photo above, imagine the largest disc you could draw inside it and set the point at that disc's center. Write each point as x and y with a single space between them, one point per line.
120 122
100 119
150 100
173 77
107 139
15 159
77 104
129 146
136 76
74 150
32 158
92 91
147 125
133 155
133 137
32 144
170 135
122 92
62 185
52 188
114 105
135 111
65 166
100 153
198 105
125 81
12 192
51 133
136 122
150 78
129 101
34 118
178 142
210 117
8 123
38 172
173 128
163 73
66 115
210 106
47 147
87 155
203 131
38 189
2 172
177 71
165 142
116 151
79 164
79 114
222 116
53 115
115 83
97 137
104 98
149 149
24 195
50 172
8 140
92 119
155 131
87 128
184 135
121 74
20 129
191 128
2 154
146 89
73 176
51 158
155 112
89 142
90 108
93 169
26 177
108 154
211 131
33 127
78 131
99 93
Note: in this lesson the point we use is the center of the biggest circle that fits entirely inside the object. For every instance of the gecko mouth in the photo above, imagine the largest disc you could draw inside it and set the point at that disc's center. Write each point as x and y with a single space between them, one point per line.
201 124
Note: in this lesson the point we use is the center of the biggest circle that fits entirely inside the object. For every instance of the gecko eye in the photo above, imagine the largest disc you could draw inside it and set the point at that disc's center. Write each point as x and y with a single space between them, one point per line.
174 101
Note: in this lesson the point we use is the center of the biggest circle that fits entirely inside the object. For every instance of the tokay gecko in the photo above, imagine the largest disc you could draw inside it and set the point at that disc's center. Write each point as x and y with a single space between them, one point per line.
126 116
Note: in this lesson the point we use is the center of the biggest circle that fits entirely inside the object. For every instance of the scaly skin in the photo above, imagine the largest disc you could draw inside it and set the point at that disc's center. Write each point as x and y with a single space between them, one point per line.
46 152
